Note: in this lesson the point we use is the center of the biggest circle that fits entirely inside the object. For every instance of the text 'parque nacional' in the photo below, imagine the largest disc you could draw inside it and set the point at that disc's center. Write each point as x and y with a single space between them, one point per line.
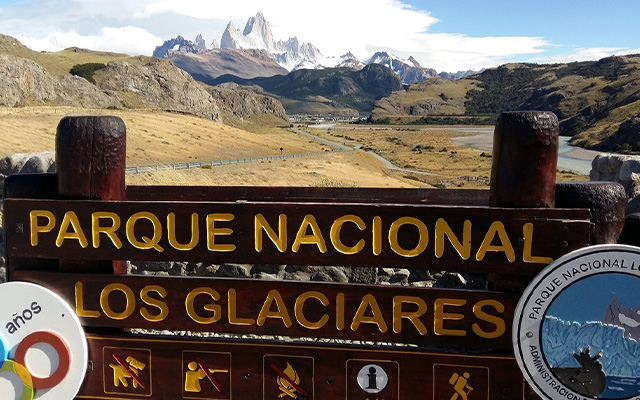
409 236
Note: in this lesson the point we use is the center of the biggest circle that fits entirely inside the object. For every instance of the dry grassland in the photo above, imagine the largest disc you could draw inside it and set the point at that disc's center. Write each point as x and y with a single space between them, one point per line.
428 150
350 169
153 138
427 157
420 150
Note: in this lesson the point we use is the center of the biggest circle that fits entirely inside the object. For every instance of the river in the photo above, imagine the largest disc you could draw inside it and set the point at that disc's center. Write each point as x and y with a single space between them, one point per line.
570 158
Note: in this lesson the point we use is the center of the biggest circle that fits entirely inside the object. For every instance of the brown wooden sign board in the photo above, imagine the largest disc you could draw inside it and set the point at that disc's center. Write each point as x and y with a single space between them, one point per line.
423 316
172 368
473 239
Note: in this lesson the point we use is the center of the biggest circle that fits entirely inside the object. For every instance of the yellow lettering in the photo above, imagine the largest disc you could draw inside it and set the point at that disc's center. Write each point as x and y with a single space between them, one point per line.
279 239
281 310
233 313
336 227
71 219
299 310
423 236
413 316
376 236
80 310
314 238
527 231
463 248
340 311
368 301
439 316
130 304
147 243
492 319
150 301
171 233
215 308
504 246
35 228
110 231
212 232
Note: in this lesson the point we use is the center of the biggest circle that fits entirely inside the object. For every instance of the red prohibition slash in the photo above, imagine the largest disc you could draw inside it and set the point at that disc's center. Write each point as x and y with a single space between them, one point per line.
208 374
59 345
129 371
286 378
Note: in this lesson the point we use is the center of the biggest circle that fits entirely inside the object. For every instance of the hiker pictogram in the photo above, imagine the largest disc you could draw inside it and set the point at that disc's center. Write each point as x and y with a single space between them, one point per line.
460 385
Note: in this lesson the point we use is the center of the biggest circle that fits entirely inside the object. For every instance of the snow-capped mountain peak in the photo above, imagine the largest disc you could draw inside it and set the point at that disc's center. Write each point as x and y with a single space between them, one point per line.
292 54
258 29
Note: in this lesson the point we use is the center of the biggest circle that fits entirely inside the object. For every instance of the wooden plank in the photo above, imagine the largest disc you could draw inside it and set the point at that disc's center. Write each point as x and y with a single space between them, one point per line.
252 370
510 241
423 316
463 197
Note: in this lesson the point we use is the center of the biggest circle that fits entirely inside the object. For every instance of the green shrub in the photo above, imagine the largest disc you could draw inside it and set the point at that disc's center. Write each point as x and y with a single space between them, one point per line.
87 70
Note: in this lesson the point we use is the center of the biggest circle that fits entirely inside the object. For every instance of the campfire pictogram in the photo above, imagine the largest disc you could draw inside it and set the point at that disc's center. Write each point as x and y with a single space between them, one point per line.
287 388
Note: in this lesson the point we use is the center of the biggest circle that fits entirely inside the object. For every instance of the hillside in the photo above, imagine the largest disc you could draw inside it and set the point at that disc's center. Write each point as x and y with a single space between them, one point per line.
332 88
596 102
211 64
119 82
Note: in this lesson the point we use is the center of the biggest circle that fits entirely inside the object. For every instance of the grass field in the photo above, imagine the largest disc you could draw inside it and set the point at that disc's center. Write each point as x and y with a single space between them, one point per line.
427 157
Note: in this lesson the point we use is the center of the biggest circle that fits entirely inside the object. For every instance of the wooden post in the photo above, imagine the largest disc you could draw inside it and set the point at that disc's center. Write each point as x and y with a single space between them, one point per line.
525 156
631 232
90 163
605 200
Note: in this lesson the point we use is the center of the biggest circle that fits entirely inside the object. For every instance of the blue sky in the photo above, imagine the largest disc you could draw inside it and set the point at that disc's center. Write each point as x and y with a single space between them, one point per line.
588 299
448 35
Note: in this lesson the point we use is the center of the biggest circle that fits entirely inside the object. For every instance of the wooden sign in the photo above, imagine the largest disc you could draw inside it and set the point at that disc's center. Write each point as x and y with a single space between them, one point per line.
129 367
421 316
475 239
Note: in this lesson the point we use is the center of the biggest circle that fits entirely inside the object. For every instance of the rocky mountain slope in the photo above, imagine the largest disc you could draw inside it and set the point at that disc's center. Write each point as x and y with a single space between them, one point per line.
125 82
597 102
241 103
336 88
209 64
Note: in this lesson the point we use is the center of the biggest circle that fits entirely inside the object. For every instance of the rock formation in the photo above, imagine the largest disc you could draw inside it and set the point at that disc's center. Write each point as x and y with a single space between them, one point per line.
26 83
622 169
157 83
240 103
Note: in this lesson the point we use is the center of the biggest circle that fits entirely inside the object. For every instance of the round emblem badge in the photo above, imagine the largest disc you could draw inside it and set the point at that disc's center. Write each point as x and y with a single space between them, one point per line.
43 349
372 378
576 329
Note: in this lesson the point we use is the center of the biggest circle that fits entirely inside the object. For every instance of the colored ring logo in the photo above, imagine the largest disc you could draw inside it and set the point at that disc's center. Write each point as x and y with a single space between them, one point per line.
42 342
4 350
61 348
24 375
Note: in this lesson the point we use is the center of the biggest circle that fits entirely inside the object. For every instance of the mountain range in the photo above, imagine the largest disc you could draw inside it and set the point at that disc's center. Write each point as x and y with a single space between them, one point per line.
290 55
117 81
340 91
597 102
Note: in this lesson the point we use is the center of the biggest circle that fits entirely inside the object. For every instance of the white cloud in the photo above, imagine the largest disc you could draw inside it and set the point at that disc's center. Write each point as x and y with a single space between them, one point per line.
127 39
334 26
587 54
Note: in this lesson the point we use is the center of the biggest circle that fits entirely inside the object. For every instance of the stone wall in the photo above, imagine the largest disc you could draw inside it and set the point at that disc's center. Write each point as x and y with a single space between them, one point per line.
622 169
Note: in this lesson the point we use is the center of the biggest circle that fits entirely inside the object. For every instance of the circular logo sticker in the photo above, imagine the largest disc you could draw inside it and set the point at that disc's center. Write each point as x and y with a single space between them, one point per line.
372 378
42 344
576 329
